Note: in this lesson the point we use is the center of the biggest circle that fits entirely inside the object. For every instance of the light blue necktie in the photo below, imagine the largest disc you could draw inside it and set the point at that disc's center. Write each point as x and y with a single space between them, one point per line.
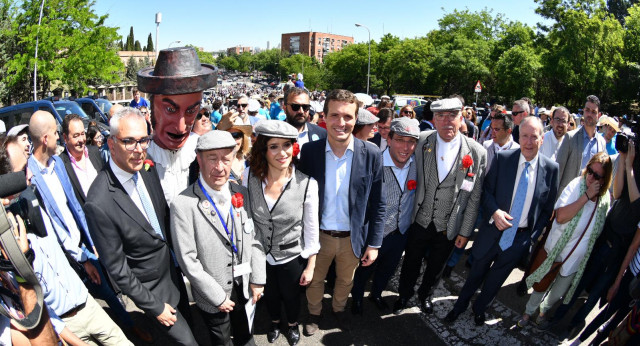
148 206
516 209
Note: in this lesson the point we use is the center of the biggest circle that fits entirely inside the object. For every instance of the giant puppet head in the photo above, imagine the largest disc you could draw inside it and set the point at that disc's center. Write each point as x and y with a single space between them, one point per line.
175 86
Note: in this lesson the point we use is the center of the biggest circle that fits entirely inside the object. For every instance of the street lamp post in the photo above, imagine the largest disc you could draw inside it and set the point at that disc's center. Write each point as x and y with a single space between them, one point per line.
369 65
35 63
173 43
158 20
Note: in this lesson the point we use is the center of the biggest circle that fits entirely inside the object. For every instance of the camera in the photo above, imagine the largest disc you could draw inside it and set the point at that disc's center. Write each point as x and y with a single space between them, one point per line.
622 138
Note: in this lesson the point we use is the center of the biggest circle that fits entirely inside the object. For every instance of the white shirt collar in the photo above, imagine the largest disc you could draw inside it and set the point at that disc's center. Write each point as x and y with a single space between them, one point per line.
388 162
533 163
49 168
327 147
453 143
223 195
506 146
122 175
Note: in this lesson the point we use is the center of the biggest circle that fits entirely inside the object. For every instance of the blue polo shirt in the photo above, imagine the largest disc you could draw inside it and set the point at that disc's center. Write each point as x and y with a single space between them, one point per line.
142 103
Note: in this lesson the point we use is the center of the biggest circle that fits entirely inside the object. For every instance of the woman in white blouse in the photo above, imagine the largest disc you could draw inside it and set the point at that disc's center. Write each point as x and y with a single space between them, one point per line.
580 214
284 207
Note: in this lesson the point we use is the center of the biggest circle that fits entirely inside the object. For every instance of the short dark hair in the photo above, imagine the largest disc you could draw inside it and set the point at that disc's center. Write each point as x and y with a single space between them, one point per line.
594 99
67 120
216 105
258 161
92 131
134 91
384 114
340 95
508 121
5 161
295 91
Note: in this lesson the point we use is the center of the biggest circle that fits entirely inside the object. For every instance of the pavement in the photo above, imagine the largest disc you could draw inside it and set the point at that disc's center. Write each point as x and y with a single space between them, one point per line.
410 327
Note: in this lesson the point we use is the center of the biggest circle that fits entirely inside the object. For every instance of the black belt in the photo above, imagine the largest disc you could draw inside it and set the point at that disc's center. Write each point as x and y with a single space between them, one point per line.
73 311
336 234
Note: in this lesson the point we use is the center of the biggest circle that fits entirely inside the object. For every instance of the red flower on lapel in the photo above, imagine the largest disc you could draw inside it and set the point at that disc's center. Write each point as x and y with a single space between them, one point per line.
148 164
411 184
467 161
296 149
237 200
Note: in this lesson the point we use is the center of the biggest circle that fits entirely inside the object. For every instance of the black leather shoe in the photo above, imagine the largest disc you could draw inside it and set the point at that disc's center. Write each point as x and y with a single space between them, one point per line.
446 273
293 334
451 317
274 332
356 307
400 305
479 319
379 303
426 305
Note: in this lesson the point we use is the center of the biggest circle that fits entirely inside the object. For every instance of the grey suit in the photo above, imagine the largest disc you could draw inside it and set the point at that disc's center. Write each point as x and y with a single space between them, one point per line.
569 156
440 211
202 247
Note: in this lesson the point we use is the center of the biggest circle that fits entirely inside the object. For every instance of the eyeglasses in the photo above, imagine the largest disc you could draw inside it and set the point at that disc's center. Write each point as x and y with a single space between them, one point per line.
99 138
296 107
131 144
384 127
144 112
407 112
516 113
243 105
595 175
560 120
236 135
252 113
199 116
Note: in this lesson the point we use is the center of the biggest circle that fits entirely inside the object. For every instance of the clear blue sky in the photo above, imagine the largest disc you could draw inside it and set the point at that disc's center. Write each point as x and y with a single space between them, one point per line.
217 25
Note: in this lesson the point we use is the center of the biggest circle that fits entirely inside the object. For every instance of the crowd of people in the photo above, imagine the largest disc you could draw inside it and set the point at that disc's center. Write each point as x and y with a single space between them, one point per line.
253 197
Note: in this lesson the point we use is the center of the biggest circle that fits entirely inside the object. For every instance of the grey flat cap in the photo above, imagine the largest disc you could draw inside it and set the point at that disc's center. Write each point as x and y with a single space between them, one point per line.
365 117
275 128
444 105
215 139
14 131
406 126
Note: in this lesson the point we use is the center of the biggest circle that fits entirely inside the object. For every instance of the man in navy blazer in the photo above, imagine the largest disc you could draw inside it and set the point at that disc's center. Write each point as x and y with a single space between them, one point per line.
352 204
296 106
500 188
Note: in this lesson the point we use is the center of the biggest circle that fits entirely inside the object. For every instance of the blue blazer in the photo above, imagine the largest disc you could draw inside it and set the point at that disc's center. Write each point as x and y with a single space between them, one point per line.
498 191
50 203
366 190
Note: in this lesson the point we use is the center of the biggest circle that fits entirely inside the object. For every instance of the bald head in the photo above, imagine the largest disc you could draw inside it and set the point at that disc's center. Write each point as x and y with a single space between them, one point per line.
41 123
114 109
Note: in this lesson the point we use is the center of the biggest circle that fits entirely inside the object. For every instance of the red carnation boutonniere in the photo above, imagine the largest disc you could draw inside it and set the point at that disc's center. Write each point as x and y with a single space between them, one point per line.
467 161
237 200
148 164
296 149
411 185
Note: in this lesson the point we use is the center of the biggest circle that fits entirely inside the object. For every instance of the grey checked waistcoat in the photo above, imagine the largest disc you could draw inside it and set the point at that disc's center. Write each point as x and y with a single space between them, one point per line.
438 198
399 203
279 230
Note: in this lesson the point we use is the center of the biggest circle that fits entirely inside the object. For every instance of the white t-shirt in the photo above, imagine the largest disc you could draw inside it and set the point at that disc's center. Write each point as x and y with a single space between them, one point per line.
571 194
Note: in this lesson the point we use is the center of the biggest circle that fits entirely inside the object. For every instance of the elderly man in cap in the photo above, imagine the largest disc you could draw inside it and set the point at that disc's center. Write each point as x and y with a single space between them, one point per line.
400 179
608 129
450 168
215 244
128 218
175 86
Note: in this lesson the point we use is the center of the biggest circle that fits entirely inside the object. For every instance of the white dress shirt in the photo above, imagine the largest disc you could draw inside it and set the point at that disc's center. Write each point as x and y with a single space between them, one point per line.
303 136
570 194
310 229
383 144
400 173
126 179
335 214
550 145
173 166
221 198
531 186
447 154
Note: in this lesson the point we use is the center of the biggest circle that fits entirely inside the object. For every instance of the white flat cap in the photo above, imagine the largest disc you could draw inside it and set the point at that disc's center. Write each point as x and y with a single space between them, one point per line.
215 139
406 126
275 128
365 117
444 105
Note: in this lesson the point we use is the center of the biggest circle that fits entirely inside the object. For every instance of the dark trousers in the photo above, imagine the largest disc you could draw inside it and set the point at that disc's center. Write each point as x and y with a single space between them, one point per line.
492 275
384 267
430 245
596 277
223 325
619 306
283 287
180 332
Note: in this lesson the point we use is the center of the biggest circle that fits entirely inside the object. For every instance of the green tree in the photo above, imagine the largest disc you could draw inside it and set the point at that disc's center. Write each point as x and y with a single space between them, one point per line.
347 68
132 69
137 46
75 46
130 45
520 65
150 44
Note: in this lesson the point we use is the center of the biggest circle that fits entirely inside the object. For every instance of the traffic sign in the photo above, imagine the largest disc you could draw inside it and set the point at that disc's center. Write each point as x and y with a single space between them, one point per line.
478 87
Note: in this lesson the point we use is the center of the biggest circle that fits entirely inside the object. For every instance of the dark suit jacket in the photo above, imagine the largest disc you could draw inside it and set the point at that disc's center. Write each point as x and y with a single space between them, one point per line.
498 190
137 259
96 161
424 126
315 132
366 191
376 139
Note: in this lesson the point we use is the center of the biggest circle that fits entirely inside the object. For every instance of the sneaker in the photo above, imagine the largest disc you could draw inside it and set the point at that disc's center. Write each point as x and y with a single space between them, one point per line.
542 323
524 321
311 327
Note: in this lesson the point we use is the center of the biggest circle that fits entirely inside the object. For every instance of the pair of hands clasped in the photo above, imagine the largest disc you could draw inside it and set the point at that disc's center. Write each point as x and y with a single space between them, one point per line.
256 292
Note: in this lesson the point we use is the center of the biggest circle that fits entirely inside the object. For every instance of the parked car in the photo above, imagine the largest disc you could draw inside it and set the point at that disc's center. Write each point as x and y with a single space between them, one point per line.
96 108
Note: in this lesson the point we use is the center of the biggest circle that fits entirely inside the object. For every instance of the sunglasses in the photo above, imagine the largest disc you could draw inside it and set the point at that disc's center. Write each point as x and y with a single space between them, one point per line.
252 113
236 135
595 175
296 107
407 112
516 113
243 105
